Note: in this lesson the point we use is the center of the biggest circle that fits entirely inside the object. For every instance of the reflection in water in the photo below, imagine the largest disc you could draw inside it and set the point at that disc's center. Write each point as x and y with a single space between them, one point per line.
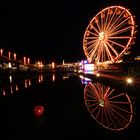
84 79
3 92
110 108
10 79
26 83
11 89
40 78
14 86
17 88
14 83
29 82
53 77
65 77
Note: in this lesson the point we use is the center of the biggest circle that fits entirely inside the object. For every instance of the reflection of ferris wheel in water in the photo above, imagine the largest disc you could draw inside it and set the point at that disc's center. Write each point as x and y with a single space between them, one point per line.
109 35
111 109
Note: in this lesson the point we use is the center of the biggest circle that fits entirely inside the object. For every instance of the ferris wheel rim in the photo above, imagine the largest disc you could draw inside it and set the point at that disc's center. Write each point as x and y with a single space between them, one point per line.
130 38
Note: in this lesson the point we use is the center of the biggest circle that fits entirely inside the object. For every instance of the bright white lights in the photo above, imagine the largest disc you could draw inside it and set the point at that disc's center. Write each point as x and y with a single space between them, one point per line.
129 80
97 74
89 67
9 65
101 35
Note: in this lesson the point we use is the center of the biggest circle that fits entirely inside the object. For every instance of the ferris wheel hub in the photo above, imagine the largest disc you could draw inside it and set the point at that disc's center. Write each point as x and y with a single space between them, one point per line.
101 36
101 102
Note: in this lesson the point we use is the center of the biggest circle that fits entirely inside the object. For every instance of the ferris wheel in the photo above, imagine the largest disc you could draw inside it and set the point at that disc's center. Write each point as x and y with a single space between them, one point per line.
109 35
110 108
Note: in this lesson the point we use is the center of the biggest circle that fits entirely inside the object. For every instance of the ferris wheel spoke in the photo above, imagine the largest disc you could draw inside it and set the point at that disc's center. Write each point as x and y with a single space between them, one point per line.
110 116
109 93
94 96
110 21
115 18
115 52
121 26
106 117
91 96
124 110
120 31
103 54
91 92
111 111
91 100
99 54
87 43
94 109
106 91
91 47
94 50
119 114
117 44
119 37
117 102
100 89
102 21
128 98
94 104
91 37
98 25
108 52
96 91
92 33
90 52
102 115
94 28
106 21
116 96
98 112
116 21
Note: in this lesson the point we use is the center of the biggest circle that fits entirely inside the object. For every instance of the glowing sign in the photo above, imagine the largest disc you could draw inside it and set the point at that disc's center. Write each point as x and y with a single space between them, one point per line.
85 61
89 67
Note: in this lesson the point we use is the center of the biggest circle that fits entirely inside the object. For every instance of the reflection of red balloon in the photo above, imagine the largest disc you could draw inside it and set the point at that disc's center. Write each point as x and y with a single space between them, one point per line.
38 110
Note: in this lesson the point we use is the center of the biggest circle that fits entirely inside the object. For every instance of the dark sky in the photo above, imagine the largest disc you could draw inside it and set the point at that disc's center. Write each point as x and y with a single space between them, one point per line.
52 30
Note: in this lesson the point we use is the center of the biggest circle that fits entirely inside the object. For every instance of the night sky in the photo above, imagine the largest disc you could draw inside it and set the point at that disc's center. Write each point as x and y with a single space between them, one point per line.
53 30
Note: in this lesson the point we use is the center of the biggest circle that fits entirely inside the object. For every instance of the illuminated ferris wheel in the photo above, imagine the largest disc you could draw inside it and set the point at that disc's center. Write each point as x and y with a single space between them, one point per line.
109 35
110 108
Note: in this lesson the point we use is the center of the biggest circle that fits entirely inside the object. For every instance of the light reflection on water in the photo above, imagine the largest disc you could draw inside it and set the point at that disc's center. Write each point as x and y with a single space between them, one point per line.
67 101
109 107
12 85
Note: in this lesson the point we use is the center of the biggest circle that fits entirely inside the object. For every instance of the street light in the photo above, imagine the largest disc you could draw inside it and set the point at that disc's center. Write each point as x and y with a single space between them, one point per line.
1 52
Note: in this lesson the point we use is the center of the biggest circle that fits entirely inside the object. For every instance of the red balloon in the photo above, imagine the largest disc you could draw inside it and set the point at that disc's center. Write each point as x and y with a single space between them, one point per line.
38 110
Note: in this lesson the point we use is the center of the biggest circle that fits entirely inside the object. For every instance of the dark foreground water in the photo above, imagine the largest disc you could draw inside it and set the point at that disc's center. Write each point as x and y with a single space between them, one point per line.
63 106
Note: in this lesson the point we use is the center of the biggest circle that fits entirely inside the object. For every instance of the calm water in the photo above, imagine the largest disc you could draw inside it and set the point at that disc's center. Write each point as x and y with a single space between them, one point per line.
73 108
